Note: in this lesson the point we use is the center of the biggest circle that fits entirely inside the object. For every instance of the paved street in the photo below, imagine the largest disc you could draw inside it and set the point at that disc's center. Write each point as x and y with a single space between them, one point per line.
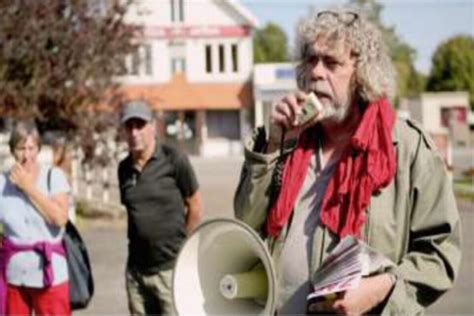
107 245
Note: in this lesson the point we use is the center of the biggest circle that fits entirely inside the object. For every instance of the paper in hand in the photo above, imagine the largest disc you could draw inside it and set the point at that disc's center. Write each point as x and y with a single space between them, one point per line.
345 266
310 109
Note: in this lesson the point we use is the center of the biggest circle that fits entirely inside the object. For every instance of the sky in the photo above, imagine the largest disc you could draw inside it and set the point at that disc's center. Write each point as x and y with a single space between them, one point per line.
423 24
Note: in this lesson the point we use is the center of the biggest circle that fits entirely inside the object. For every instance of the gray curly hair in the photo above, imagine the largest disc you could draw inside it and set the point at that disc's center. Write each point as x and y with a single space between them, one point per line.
375 74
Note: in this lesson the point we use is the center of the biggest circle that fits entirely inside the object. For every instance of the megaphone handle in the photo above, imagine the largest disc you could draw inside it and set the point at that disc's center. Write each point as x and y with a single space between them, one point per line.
282 140
279 172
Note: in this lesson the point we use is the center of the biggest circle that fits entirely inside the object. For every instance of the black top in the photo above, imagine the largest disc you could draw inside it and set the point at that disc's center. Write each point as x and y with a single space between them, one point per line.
154 199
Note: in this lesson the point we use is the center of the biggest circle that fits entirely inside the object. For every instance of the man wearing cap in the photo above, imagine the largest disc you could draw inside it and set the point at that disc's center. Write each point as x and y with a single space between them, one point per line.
159 189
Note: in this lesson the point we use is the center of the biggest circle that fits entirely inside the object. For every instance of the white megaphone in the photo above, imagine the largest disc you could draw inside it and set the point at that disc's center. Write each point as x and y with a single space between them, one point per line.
224 268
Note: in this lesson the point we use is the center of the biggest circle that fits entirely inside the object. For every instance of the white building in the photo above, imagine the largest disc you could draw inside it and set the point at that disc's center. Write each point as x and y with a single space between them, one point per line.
442 113
445 116
271 82
194 68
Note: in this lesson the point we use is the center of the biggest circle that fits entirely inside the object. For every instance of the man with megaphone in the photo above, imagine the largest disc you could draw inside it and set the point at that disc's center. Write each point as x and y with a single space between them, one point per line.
337 162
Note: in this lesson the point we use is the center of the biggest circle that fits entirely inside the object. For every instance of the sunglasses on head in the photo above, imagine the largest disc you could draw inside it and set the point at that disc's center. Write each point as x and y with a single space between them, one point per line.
346 17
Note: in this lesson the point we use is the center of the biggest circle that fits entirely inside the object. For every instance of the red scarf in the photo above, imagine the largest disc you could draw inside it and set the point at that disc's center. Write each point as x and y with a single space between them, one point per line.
366 165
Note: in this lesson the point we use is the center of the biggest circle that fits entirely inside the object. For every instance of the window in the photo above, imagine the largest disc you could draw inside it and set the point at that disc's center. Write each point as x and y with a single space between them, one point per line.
177 10
177 51
141 61
453 115
135 67
148 60
208 58
173 16
221 58
235 58
178 65
181 10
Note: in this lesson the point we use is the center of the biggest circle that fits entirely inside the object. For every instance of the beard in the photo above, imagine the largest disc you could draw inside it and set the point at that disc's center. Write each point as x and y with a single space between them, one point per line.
335 111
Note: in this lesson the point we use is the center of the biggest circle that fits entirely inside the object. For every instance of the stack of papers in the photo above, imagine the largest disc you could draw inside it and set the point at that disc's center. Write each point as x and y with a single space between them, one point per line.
345 266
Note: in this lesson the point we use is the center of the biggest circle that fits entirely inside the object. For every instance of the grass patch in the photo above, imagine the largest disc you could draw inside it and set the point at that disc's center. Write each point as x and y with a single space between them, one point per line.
464 188
94 209
465 182
468 196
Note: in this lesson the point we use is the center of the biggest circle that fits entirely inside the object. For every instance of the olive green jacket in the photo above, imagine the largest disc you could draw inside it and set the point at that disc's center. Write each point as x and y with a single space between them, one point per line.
414 221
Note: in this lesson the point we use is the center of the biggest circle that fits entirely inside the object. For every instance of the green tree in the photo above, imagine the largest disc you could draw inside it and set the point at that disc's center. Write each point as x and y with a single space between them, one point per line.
409 81
270 44
453 66
58 58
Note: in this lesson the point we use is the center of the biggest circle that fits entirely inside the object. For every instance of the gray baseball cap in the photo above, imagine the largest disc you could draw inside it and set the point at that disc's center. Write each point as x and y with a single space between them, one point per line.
136 109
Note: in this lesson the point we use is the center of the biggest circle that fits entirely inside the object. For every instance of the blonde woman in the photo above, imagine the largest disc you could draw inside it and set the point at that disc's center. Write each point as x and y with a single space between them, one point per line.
62 159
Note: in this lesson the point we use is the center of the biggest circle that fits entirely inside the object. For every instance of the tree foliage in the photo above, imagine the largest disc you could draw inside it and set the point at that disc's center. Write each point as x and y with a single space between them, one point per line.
409 81
453 66
59 58
270 44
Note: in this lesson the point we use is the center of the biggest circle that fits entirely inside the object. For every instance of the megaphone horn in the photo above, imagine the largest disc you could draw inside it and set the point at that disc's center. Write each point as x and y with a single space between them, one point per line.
224 268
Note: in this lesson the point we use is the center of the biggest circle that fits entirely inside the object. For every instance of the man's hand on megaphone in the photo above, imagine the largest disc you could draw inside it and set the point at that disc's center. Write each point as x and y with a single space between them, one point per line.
284 117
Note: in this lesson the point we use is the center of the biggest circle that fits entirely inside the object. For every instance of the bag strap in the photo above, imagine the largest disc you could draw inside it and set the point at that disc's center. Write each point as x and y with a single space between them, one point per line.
50 170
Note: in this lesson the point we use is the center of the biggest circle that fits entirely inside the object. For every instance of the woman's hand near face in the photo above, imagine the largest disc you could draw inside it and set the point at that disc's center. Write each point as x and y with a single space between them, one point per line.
54 209
21 177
